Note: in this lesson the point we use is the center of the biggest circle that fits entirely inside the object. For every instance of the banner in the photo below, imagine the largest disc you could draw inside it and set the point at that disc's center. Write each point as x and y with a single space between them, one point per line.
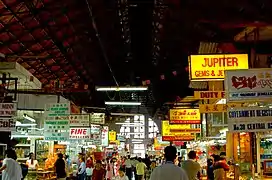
184 116
249 114
256 126
209 94
214 108
8 109
56 123
97 118
211 67
251 84
80 133
80 120
112 136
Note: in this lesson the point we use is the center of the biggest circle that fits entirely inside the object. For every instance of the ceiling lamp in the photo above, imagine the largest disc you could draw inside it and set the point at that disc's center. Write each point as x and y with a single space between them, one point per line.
123 103
116 88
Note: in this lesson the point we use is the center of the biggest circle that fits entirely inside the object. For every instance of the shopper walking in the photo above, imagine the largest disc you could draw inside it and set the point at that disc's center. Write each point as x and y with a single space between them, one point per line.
140 169
60 167
81 169
98 172
11 170
169 169
191 167
110 169
128 164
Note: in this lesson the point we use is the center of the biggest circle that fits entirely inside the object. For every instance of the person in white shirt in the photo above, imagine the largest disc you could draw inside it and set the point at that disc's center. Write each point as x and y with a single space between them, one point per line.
121 175
169 169
128 164
11 170
32 163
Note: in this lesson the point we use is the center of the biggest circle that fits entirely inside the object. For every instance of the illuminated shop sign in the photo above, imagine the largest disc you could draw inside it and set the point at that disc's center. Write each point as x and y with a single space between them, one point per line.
251 84
184 116
250 127
205 67
209 94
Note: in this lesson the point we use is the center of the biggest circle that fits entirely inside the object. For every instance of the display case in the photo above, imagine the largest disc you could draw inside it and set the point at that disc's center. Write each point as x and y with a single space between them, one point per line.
23 148
42 150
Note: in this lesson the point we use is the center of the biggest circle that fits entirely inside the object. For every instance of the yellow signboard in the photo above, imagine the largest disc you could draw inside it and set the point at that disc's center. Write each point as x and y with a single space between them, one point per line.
209 94
112 136
212 108
203 67
178 132
184 116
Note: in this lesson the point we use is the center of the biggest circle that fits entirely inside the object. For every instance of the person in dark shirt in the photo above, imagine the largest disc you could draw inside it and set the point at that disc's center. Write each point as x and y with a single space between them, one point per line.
60 167
210 174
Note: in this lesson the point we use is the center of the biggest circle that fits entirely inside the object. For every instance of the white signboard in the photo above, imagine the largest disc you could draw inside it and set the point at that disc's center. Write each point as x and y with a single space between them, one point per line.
97 118
80 133
56 126
257 126
105 136
80 120
95 129
7 124
251 84
57 109
8 109
56 136
249 114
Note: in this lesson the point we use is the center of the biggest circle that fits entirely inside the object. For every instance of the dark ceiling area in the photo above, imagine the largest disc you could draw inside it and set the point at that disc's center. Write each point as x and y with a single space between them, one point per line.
119 42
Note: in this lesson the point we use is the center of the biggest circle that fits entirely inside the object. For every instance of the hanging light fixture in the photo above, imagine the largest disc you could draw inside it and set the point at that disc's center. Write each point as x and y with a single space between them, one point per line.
123 103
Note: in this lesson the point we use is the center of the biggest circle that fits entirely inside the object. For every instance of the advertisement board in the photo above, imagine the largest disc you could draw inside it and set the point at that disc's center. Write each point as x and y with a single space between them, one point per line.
80 133
80 120
95 129
97 118
57 109
184 116
251 84
209 94
214 108
212 66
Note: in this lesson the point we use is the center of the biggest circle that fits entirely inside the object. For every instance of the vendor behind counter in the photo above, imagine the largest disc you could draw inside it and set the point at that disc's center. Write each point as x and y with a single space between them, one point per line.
32 163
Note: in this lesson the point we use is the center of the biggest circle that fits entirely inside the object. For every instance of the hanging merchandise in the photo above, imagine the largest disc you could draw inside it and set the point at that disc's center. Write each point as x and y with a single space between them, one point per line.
57 123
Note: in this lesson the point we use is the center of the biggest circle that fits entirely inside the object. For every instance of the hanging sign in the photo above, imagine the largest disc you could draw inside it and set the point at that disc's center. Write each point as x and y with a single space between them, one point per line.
57 123
249 114
184 116
251 84
257 126
112 136
95 129
80 133
209 94
97 118
214 108
57 109
79 120
177 132
8 109
7 124
105 136
211 67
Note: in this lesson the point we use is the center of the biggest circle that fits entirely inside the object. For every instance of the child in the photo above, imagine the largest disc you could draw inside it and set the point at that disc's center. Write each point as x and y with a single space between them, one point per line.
122 175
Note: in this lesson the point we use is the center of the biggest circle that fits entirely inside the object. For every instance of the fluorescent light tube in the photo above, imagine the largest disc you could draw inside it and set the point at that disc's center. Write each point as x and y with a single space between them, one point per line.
128 123
24 125
123 103
129 88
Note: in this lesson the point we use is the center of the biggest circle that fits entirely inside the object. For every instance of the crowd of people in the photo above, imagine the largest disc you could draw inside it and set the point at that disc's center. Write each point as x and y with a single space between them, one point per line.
124 168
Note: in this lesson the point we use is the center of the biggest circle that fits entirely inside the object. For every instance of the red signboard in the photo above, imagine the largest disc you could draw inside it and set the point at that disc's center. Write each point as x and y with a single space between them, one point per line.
178 138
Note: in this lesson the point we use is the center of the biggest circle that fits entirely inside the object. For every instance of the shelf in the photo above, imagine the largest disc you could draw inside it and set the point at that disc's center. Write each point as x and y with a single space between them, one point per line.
23 145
